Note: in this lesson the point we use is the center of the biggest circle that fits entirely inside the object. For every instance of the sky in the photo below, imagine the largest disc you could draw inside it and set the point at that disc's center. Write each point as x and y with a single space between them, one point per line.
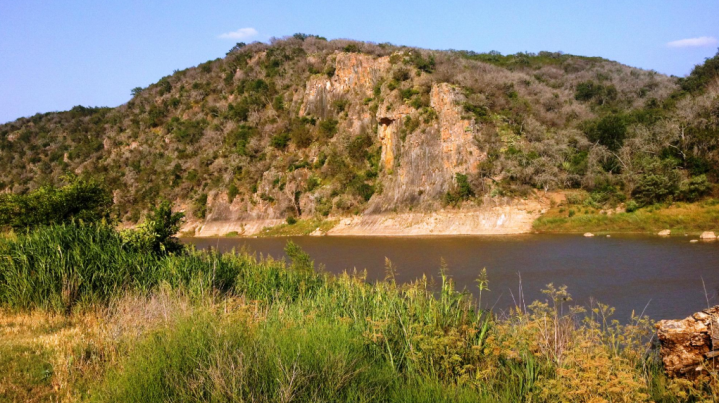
58 54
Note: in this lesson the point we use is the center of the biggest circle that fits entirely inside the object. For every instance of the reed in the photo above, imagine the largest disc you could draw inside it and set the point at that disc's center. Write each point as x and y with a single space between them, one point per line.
235 327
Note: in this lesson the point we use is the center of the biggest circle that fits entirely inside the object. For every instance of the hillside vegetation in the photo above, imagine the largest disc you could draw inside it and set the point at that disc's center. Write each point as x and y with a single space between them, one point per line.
309 128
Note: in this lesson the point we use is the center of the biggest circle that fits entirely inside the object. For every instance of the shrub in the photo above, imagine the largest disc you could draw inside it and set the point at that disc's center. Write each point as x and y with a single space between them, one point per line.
653 188
694 188
238 138
280 140
357 148
157 233
352 48
186 131
461 191
81 200
200 206
328 128
341 104
232 192
291 220
301 261
610 131
632 206
301 135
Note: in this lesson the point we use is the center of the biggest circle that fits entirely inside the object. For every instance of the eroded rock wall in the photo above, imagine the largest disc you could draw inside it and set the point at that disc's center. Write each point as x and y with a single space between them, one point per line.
418 162
690 346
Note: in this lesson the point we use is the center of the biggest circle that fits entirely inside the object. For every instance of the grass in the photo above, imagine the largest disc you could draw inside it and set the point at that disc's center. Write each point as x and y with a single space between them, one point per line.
680 218
301 227
203 326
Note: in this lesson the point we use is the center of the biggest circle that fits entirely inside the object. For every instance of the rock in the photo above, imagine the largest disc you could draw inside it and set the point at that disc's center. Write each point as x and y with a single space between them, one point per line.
317 232
609 236
687 344
694 240
707 235
588 234
665 232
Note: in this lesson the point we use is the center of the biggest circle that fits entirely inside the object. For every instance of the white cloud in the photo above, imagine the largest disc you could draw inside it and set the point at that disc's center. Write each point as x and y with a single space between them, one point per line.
694 42
242 33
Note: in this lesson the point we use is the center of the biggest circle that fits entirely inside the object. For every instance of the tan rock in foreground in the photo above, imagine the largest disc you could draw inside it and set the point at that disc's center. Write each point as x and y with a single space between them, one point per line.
690 346
588 234
708 235
665 232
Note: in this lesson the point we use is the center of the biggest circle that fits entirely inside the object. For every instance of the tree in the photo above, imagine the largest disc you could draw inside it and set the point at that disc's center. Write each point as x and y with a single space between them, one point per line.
238 46
136 91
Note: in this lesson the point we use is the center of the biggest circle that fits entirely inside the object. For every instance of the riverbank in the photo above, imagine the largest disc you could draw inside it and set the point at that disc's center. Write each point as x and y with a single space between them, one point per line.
203 326
679 218
530 217
492 218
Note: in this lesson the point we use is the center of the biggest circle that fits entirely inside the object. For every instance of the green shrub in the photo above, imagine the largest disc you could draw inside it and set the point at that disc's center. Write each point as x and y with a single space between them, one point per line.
632 206
340 104
694 188
461 191
301 261
301 135
352 48
280 140
328 128
79 200
157 233
200 206
654 188
232 192
291 220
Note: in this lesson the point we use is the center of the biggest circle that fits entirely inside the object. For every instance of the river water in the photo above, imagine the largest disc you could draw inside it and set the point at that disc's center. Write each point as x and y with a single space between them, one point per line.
662 277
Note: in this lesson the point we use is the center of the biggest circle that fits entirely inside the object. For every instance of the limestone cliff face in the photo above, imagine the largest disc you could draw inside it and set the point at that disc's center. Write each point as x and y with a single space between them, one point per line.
355 77
419 167
422 149
459 153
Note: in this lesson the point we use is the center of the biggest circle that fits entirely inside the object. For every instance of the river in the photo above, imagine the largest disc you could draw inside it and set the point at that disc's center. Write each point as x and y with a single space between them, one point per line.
662 277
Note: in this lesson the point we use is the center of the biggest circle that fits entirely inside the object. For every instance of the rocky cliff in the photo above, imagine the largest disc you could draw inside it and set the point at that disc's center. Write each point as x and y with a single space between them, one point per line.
418 164
381 139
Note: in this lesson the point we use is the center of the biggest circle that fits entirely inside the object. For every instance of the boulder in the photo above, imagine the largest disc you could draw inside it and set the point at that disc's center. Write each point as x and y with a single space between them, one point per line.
690 346
665 232
588 234
694 241
708 235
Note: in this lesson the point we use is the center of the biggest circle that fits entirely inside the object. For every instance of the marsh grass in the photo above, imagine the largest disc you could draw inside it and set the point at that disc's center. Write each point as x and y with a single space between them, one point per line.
300 227
203 326
690 218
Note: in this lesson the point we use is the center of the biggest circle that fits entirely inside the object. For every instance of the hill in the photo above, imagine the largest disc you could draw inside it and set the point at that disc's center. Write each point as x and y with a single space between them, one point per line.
305 128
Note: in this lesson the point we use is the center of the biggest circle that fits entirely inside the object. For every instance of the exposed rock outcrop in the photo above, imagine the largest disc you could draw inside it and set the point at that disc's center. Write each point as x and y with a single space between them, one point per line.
512 217
355 74
708 236
690 346
419 167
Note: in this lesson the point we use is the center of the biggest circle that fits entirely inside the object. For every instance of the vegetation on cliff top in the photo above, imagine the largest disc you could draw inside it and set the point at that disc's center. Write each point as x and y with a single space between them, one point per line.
230 129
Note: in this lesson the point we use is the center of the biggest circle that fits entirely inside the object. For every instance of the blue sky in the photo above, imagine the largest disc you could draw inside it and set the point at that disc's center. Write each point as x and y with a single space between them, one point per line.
54 55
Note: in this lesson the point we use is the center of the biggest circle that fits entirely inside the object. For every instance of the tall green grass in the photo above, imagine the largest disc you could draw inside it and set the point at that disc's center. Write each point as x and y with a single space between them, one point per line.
60 267
293 334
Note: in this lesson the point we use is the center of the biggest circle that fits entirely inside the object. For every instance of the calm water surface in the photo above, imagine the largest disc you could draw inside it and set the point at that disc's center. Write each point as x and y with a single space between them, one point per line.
661 276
